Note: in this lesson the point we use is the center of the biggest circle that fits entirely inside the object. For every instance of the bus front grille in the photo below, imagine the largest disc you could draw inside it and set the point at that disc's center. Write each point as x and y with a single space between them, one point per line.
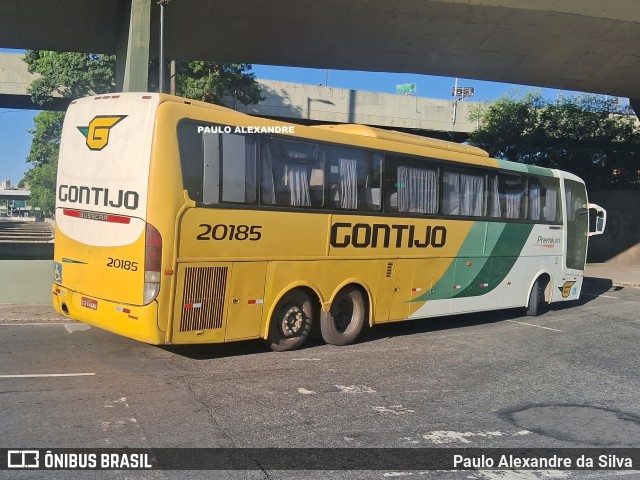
203 298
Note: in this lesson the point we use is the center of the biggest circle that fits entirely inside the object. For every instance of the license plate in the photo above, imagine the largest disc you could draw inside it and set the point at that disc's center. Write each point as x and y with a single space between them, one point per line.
89 303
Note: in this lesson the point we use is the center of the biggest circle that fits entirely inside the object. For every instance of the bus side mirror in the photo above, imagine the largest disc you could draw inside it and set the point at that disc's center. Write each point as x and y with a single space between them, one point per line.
597 219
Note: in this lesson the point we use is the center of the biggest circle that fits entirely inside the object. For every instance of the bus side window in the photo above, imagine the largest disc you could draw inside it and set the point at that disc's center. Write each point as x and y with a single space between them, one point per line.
463 193
353 179
190 146
229 168
543 199
411 186
512 195
292 173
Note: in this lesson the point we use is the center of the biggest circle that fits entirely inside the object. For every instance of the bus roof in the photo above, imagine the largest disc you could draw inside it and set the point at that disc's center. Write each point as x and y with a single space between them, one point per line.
366 131
477 155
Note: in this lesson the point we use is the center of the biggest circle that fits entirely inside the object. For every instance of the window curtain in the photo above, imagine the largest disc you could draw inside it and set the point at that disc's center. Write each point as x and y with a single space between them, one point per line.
348 183
551 205
471 195
417 190
451 193
299 185
534 202
513 202
496 210
268 188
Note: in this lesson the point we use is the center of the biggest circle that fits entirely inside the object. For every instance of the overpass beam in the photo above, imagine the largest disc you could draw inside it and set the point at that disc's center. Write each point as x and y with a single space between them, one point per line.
132 47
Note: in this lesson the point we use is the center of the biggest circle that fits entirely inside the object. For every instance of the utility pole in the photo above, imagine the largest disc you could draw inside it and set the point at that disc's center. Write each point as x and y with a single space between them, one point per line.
162 4
172 79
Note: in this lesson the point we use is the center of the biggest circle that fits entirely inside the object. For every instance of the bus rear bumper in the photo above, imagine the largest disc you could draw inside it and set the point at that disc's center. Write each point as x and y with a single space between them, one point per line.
133 321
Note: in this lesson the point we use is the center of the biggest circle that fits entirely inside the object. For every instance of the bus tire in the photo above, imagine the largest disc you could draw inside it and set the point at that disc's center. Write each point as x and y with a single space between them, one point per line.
344 321
537 302
290 322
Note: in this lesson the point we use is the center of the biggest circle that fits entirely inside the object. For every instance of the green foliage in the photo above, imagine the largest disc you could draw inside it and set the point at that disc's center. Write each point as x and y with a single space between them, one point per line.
43 155
42 181
212 81
588 135
69 74
45 142
75 75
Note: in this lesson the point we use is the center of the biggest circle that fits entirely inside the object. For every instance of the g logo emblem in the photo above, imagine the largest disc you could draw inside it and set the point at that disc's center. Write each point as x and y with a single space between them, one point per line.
97 132
566 289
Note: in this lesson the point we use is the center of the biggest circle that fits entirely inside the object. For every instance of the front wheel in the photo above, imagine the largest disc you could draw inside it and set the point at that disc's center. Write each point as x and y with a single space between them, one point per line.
291 322
345 319
537 302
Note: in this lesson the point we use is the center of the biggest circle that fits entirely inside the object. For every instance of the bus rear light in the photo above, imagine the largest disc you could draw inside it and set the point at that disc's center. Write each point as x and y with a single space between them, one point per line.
152 263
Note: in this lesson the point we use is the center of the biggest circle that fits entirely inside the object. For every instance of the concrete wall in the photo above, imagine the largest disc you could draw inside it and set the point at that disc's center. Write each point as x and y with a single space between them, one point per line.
14 76
339 105
26 281
620 243
297 101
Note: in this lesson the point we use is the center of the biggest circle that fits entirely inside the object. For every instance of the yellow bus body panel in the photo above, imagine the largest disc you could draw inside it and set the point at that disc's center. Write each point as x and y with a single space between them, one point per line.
136 322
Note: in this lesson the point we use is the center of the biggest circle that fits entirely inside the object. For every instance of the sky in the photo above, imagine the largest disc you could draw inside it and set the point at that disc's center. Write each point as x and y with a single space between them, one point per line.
15 124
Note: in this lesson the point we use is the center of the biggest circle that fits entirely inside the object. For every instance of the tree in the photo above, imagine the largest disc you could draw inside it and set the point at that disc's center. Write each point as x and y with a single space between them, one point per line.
69 74
589 135
212 82
43 155
75 75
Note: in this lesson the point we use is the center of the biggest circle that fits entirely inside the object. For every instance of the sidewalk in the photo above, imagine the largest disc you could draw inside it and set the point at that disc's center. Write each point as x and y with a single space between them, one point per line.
12 312
619 274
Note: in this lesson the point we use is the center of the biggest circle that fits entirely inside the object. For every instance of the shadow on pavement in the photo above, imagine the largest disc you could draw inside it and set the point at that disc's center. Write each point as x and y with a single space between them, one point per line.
592 288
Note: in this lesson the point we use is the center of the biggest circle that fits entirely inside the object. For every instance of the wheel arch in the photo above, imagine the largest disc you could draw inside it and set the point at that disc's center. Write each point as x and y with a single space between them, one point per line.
360 285
548 290
311 290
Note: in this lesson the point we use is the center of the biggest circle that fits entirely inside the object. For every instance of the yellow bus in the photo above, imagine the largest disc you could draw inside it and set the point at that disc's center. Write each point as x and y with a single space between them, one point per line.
181 222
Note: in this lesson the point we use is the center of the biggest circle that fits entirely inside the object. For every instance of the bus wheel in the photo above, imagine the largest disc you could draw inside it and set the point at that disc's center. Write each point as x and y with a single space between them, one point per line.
344 321
290 322
537 303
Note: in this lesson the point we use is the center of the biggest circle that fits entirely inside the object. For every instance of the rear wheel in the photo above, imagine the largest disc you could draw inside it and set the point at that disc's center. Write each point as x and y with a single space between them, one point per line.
345 319
537 303
291 322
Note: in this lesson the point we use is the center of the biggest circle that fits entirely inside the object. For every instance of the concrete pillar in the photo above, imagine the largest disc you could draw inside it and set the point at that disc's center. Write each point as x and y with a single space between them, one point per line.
132 55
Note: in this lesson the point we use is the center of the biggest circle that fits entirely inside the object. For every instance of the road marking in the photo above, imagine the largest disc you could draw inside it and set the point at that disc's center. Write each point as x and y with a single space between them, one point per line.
446 436
45 375
304 391
28 324
77 327
532 325
393 409
355 389
520 474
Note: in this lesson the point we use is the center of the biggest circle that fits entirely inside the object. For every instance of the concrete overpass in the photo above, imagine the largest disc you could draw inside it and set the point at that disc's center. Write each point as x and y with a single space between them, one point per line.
15 194
586 45
310 104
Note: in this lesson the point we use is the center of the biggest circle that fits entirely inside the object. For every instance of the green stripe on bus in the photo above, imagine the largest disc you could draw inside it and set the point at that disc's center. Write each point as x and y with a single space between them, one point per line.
501 260
480 241
504 242
522 168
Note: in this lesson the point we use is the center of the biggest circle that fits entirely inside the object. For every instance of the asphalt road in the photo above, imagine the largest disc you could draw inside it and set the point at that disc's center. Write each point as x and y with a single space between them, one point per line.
568 378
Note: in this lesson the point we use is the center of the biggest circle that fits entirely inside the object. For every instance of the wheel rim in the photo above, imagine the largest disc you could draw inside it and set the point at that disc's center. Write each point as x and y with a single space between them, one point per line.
292 321
343 315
